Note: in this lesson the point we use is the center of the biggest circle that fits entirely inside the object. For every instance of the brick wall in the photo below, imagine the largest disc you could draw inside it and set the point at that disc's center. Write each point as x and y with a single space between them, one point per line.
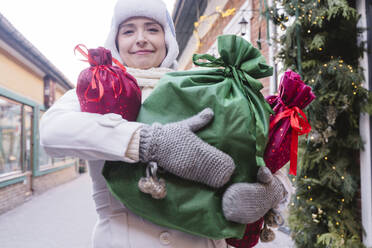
217 29
45 182
255 24
14 195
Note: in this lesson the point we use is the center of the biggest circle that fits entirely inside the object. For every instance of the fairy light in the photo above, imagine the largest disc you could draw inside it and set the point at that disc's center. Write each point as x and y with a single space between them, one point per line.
342 177
334 167
326 158
309 187
203 18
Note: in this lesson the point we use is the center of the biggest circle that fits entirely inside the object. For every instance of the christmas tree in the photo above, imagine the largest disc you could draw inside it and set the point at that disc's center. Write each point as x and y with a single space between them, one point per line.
321 43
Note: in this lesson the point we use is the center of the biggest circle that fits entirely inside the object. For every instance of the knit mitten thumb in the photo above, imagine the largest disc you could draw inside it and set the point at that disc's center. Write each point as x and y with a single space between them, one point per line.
176 148
247 202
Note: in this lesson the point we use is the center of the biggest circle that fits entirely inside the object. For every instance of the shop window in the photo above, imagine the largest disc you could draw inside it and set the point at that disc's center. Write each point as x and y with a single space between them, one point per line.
10 136
28 127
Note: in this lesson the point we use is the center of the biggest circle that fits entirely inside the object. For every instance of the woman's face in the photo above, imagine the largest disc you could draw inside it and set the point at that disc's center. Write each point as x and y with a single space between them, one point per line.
141 43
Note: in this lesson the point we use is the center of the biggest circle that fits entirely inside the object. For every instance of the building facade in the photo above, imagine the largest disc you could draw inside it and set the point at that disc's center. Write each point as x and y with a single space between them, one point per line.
365 10
214 20
29 84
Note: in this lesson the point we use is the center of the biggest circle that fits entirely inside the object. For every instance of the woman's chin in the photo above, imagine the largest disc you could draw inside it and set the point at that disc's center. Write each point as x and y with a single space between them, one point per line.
146 65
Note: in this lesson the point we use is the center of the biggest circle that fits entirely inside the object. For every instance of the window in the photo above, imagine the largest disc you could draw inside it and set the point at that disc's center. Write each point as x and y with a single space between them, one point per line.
28 127
10 136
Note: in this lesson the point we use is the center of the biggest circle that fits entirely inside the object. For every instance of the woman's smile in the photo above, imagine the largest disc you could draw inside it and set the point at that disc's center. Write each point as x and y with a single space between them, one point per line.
143 52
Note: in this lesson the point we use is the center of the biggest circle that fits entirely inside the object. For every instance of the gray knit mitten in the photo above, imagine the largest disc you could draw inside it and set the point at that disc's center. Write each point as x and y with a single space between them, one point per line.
247 202
176 148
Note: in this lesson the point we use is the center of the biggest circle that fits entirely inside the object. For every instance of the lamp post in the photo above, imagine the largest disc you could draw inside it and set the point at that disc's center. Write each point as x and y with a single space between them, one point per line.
243 26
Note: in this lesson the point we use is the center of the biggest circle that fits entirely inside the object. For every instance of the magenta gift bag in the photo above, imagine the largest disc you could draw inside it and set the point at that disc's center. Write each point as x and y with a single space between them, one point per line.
288 122
103 88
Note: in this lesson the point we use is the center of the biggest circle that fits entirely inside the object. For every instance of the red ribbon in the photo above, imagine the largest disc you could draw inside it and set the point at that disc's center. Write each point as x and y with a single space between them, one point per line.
300 126
96 78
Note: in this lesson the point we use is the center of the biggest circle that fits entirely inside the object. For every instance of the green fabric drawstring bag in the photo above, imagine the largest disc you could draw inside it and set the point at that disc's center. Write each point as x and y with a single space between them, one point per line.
239 128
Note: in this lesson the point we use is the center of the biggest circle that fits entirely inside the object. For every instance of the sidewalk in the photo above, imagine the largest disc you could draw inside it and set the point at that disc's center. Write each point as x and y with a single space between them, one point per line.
281 240
64 217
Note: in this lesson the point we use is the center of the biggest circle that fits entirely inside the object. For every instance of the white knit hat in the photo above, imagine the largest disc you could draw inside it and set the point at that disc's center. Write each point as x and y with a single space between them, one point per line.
153 9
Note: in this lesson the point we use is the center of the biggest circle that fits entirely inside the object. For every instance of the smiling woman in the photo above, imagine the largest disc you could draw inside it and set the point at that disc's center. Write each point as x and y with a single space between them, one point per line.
142 36
140 42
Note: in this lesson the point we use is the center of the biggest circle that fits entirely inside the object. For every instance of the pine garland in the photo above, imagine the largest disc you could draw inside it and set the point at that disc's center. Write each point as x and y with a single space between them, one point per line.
325 211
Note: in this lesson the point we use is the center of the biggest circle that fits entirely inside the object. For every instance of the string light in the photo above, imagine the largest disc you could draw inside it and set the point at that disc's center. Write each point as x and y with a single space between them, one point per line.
203 18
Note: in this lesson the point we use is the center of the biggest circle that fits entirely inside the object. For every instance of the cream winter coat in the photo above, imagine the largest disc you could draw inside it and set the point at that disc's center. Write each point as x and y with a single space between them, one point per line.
66 131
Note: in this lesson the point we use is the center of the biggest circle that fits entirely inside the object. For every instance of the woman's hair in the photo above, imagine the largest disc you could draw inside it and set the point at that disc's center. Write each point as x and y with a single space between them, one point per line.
153 9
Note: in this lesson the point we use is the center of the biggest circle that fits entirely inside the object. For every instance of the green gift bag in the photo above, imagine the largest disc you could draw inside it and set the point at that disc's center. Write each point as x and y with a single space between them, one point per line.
239 128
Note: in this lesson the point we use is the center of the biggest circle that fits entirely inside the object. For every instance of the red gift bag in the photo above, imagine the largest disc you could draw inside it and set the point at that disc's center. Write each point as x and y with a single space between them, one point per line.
288 122
103 88
285 125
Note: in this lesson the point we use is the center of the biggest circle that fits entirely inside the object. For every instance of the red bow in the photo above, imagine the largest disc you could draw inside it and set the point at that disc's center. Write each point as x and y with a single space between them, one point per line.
96 78
300 126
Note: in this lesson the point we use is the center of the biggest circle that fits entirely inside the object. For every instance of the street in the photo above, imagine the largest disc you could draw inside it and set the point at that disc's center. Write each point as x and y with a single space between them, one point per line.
61 217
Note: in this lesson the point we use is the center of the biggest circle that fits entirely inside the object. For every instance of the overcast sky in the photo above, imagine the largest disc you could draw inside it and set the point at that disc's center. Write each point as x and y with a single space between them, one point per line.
56 27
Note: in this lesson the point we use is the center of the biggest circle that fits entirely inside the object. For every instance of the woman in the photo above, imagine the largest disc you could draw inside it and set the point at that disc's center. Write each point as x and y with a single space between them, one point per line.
142 37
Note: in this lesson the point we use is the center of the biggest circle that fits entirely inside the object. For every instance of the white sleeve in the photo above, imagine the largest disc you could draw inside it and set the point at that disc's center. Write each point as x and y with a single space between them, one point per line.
66 131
